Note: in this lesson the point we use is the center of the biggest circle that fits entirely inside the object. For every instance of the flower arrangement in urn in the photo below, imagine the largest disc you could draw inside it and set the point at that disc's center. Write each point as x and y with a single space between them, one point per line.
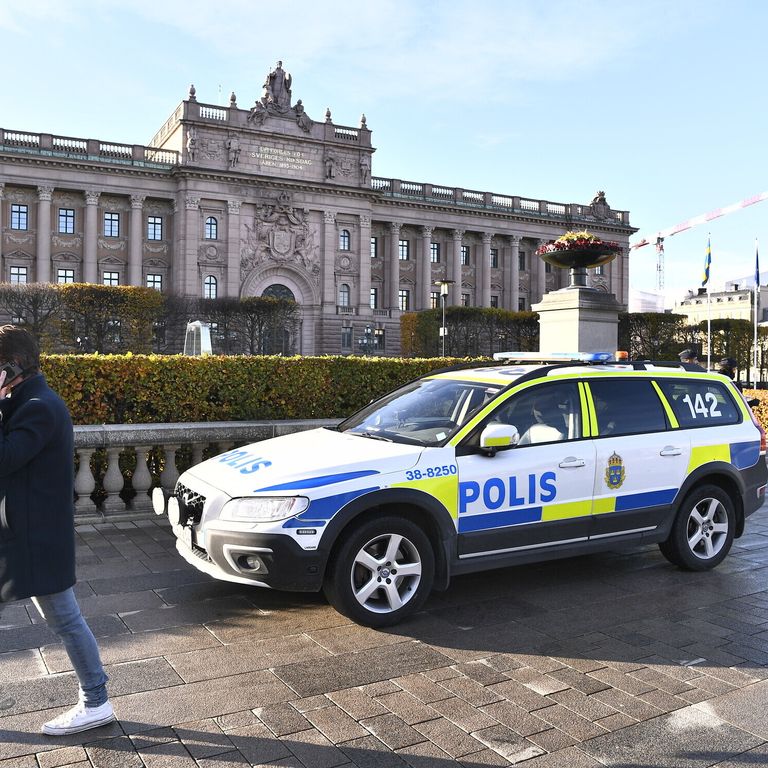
578 241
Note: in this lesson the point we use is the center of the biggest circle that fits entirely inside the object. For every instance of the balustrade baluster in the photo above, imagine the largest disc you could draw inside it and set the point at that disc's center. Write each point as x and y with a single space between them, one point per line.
113 482
142 480
170 473
84 483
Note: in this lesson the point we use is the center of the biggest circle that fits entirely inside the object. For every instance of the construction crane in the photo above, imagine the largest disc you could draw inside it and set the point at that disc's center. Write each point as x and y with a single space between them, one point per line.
689 224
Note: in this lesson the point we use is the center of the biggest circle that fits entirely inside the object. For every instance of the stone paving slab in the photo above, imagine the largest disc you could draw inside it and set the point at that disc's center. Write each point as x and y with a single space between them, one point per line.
618 659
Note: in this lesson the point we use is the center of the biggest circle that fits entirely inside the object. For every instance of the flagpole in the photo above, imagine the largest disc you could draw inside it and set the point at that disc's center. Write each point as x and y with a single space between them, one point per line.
757 299
707 267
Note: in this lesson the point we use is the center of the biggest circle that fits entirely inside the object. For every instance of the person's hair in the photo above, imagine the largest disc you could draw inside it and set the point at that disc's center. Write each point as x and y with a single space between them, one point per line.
18 345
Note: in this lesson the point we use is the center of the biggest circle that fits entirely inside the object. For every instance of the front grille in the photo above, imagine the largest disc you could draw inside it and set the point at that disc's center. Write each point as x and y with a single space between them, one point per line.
190 503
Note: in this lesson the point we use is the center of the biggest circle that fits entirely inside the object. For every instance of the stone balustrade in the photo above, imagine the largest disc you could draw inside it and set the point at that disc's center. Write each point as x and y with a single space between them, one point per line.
105 456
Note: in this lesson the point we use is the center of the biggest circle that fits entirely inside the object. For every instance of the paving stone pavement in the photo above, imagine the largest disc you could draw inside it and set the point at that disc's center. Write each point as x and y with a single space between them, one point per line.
617 659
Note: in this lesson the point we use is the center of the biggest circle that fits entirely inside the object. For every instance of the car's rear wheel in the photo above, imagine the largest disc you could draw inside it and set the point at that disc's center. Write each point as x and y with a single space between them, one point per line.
383 571
703 531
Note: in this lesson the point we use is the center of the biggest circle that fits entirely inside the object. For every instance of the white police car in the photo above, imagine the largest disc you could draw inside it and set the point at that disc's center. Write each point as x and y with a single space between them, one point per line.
475 468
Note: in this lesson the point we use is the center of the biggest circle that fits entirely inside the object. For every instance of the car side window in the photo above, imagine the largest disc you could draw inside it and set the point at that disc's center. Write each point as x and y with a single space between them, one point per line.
545 413
699 403
627 407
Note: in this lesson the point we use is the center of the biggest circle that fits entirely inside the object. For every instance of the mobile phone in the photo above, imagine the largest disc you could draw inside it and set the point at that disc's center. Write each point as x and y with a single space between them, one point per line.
11 371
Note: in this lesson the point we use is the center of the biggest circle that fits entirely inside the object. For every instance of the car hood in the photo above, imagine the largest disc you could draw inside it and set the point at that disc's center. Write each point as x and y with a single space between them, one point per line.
302 462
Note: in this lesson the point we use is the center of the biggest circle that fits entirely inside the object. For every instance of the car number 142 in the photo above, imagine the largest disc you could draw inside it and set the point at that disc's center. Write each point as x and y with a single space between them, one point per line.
421 474
700 408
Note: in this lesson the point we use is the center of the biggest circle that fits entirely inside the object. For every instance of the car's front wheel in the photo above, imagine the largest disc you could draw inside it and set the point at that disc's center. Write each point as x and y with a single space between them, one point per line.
703 530
383 571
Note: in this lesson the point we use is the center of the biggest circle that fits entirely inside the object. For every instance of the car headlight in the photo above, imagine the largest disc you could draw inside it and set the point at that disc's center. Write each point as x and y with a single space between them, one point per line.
264 509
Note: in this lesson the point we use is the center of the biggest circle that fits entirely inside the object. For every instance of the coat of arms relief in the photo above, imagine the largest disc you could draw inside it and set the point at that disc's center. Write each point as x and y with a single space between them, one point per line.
282 234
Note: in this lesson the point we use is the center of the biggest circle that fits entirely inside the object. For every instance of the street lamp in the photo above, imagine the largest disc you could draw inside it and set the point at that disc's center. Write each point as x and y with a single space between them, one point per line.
443 299
367 341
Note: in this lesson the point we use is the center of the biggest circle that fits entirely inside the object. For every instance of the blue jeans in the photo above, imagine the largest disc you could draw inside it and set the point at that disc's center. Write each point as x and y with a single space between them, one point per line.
62 614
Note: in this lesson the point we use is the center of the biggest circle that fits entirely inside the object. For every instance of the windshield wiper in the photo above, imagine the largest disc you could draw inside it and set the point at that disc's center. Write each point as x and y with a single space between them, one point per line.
374 436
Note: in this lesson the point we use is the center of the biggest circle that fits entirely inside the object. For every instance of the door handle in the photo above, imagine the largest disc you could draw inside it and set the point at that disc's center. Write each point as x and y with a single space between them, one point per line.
571 462
669 450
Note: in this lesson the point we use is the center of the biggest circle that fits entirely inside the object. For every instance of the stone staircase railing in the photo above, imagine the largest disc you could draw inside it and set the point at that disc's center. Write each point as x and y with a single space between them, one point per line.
118 446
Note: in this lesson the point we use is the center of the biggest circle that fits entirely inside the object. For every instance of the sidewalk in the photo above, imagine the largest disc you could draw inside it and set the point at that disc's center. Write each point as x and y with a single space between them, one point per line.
616 659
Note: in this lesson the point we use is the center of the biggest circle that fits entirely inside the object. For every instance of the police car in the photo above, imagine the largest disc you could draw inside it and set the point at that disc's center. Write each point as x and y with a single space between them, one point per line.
469 469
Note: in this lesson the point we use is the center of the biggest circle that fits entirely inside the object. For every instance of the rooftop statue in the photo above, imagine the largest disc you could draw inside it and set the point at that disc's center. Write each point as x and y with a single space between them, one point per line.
277 89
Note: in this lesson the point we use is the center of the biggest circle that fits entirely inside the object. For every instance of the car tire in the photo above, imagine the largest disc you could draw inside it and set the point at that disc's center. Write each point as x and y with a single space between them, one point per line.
382 572
703 531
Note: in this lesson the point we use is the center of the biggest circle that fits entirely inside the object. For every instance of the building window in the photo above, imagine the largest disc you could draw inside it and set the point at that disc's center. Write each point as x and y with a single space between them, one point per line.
495 302
19 216
521 261
344 240
211 228
521 305
111 224
601 271
111 278
374 298
346 338
113 331
404 249
154 227
494 258
343 295
464 255
464 299
66 221
210 286
434 253
17 320
547 268
378 340
65 275
434 299
18 275
374 247
155 281
404 300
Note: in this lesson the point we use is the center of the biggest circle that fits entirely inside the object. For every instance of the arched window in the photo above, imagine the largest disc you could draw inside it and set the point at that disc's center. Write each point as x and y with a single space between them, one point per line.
344 240
343 295
210 287
279 291
211 228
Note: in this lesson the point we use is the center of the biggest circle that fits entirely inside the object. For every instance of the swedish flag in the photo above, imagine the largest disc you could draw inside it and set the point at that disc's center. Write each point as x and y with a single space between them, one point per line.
707 264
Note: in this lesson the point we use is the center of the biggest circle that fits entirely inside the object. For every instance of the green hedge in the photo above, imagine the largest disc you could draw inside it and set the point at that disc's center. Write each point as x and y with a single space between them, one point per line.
139 389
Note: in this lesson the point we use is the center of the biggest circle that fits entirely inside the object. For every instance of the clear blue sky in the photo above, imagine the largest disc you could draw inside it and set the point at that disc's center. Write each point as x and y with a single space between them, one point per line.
661 103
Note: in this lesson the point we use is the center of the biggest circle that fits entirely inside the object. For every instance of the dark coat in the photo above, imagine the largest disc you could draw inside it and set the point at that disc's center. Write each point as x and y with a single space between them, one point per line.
37 532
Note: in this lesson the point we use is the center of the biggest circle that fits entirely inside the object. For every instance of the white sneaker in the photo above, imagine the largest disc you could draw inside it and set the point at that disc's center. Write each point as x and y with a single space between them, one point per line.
79 718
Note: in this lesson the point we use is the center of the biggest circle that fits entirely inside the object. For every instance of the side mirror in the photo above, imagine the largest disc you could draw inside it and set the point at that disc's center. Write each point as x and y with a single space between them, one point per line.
498 436
752 402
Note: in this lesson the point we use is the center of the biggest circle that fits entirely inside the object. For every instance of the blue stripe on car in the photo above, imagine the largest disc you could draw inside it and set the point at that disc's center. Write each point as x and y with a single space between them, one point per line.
744 455
483 522
648 499
325 509
318 482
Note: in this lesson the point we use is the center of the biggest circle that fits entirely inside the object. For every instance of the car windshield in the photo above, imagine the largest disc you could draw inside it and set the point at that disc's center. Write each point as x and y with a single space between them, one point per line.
424 412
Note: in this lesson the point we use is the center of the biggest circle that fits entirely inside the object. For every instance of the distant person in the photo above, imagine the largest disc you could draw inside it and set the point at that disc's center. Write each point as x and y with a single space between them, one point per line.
689 356
728 368
37 529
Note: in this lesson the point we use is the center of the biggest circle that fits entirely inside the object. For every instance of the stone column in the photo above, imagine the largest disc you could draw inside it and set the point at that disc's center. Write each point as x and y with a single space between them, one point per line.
43 237
425 271
364 293
135 240
331 241
541 274
393 281
233 248
191 229
454 267
90 237
484 277
2 190
513 276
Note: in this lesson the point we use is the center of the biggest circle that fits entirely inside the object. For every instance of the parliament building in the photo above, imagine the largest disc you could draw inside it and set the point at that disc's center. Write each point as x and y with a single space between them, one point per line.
268 200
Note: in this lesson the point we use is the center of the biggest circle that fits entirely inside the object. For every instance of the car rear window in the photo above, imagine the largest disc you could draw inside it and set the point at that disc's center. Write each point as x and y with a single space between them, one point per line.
699 402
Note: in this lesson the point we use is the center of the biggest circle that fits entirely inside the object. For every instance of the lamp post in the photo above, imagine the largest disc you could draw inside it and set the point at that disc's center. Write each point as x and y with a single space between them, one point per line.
367 341
443 299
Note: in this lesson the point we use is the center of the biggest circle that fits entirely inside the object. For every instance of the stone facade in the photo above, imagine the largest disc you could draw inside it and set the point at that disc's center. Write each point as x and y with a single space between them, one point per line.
238 202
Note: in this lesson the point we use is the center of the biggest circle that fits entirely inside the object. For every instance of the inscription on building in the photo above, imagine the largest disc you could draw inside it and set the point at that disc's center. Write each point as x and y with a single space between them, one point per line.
274 157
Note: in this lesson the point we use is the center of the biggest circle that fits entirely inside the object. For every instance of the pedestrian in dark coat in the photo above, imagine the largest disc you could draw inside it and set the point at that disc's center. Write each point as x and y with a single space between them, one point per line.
37 532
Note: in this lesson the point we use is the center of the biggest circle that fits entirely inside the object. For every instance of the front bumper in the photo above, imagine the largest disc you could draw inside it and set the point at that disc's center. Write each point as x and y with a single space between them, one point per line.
263 560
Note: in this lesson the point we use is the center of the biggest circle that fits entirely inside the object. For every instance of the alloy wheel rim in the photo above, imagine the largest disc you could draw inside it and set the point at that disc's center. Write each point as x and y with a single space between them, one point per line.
386 573
707 528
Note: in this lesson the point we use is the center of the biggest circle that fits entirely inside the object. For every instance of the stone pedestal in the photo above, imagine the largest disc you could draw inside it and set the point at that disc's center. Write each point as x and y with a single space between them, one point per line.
578 320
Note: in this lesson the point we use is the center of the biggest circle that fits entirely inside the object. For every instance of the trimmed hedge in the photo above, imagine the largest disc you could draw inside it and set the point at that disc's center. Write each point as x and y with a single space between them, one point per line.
149 389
